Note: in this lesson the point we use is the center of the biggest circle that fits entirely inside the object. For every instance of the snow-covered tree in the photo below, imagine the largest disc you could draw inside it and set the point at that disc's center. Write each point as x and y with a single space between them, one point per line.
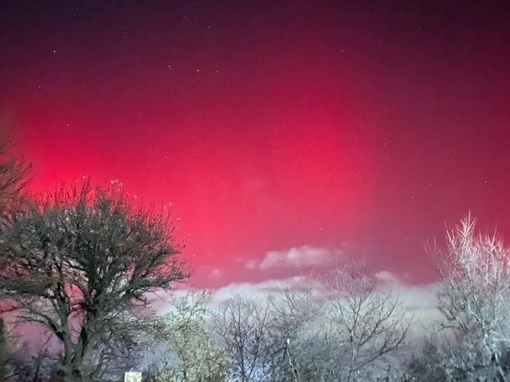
471 341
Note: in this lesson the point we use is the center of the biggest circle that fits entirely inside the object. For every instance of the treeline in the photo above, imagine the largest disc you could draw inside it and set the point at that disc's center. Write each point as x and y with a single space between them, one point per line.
348 330
350 327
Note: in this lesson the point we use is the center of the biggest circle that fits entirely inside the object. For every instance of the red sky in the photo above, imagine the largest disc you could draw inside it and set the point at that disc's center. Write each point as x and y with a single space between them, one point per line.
353 127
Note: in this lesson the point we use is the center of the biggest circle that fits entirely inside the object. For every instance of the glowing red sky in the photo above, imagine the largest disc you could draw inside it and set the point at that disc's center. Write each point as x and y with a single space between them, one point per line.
359 126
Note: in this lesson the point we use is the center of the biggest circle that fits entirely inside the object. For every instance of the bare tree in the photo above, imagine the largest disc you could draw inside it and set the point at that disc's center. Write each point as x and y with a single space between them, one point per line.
293 314
473 299
350 331
80 261
14 175
123 346
364 329
262 337
242 325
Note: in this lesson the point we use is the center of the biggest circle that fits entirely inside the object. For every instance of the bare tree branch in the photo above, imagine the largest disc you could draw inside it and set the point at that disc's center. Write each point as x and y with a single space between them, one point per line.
80 259
473 342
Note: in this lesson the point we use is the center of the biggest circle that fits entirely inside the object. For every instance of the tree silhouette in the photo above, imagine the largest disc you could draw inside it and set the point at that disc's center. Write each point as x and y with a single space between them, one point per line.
81 262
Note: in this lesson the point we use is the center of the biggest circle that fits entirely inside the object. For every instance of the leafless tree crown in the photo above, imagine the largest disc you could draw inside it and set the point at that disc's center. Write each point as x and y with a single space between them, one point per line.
81 262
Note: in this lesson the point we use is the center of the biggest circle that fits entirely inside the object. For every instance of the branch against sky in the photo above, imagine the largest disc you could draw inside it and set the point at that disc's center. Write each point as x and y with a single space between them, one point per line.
80 260
242 325
14 175
473 299
365 328
293 315
350 331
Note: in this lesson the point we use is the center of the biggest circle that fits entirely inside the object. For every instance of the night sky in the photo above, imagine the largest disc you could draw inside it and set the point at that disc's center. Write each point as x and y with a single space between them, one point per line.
284 133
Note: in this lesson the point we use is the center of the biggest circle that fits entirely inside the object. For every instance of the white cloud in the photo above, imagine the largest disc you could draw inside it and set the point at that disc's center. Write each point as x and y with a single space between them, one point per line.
387 280
295 257
262 290
418 301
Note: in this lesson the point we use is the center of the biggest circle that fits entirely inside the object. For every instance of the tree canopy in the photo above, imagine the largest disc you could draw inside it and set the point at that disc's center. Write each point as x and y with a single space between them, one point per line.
81 262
